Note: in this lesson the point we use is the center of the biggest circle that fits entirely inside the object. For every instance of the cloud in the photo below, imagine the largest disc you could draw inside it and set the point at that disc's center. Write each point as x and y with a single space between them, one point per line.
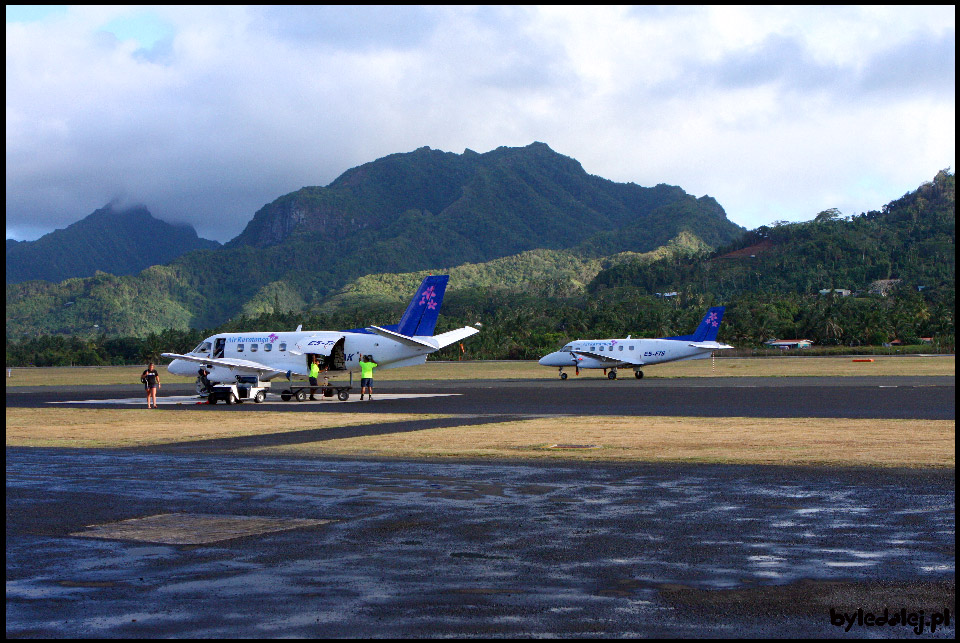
207 113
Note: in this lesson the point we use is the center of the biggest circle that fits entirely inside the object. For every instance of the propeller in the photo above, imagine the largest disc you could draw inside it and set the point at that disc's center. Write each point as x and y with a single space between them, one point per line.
576 362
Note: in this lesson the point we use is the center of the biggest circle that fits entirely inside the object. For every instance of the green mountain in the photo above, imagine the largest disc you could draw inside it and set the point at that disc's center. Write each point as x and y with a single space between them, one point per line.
911 242
485 205
406 212
120 241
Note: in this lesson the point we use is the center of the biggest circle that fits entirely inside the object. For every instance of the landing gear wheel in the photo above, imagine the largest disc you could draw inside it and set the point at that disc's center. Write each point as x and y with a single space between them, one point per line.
563 376
638 374
343 396
301 396
260 397
612 375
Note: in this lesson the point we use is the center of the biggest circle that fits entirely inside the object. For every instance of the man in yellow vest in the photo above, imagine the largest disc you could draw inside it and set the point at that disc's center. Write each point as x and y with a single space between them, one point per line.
366 375
314 374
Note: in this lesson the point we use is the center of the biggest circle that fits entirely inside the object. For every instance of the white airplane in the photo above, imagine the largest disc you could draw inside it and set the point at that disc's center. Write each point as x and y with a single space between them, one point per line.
269 355
610 354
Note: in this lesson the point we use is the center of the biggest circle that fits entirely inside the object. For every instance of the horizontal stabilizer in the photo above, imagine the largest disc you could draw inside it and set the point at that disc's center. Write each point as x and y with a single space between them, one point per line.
445 339
710 346
425 342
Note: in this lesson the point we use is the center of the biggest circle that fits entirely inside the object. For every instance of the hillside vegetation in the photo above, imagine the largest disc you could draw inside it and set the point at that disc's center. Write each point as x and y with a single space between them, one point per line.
115 240
535 301
403 213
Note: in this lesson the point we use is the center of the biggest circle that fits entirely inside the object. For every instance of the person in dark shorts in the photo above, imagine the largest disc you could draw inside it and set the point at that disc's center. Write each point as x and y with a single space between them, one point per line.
366 375
314 374
151 382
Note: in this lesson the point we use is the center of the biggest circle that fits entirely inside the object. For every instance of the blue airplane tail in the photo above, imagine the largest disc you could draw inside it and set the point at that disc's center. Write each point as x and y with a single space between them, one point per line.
709 326
420 318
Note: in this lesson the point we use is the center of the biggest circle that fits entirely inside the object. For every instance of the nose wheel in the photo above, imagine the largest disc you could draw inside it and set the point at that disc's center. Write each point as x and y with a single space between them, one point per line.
563 375
638 374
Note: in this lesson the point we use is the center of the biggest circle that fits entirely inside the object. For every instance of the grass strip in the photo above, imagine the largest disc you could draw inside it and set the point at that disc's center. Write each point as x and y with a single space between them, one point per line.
738 440
102 428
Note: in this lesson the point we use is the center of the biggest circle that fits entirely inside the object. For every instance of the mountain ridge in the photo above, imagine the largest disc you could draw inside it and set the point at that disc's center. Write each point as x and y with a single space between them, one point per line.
114 239
379 217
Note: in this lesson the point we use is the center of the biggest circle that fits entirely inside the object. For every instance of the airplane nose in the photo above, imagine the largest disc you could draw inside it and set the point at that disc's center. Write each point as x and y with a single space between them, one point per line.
554 359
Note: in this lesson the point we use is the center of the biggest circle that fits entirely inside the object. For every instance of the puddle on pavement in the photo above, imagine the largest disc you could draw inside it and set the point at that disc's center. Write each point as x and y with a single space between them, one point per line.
192 529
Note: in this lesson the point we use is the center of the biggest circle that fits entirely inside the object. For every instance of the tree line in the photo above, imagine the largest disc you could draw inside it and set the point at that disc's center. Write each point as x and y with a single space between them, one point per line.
527 327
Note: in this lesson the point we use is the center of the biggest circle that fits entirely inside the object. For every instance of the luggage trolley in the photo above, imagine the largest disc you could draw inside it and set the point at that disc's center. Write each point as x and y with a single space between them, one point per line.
301 393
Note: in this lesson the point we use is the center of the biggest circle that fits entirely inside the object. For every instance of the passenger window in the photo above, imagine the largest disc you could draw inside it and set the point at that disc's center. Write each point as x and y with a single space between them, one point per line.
268 347
239 348
631 348
253 348
621 348
283 346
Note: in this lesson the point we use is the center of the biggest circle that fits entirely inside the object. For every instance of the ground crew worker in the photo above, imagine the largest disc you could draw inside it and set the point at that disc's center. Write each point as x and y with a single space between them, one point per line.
366 375
202 374
314 374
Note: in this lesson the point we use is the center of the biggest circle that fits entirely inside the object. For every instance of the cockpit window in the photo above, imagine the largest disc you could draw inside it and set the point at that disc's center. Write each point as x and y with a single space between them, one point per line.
203 347
568 347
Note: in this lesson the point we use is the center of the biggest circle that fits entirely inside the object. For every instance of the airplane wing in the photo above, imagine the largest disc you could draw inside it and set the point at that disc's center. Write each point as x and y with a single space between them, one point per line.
240 365
606 359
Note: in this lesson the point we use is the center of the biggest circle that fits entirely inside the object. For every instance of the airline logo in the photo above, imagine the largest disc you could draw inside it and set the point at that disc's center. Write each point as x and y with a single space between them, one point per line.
428 298
712 320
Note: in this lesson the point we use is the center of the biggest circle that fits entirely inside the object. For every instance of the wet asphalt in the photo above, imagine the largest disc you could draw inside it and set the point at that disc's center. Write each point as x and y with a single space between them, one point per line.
487 549
839 397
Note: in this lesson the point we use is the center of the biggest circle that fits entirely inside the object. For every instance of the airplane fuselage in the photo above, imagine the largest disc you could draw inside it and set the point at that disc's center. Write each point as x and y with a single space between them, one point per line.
226 356
288 352
614 353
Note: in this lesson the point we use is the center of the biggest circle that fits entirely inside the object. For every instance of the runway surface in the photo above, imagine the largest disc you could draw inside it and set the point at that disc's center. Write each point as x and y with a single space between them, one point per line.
835 397
197 541
432 549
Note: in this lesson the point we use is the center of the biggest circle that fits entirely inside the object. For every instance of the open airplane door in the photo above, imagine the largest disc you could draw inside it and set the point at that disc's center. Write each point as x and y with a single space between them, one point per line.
330 352
336 360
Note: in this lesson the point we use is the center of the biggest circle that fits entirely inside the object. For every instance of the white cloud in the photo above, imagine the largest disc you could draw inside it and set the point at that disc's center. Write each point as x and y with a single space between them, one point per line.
207 113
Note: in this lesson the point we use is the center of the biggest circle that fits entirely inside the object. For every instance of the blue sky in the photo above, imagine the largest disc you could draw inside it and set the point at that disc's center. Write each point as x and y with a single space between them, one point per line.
204 114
